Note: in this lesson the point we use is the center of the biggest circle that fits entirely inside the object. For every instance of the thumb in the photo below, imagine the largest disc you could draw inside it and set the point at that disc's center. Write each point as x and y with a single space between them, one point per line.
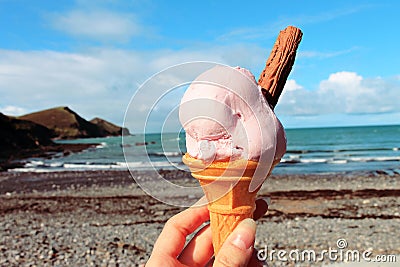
237 249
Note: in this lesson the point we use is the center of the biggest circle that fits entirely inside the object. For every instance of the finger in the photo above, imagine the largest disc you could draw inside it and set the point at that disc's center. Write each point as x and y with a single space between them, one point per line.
173 236
261 208
253 262
238 247
199 250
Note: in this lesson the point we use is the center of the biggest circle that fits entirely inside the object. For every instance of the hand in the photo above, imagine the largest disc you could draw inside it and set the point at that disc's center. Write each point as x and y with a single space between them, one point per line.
236 251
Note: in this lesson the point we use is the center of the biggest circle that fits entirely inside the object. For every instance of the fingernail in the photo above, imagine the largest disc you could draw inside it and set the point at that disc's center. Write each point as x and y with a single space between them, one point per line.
244 234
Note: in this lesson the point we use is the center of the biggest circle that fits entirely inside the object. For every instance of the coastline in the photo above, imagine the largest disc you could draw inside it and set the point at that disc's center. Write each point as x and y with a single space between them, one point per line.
104 218
17 159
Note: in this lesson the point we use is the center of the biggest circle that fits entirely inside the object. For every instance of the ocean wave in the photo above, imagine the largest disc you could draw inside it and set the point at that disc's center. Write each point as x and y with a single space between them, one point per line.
331 160
40 166
337 161
166 154
102 145
34 163
174 139
92 166
149 165
309 151
372 159
300 160
29 169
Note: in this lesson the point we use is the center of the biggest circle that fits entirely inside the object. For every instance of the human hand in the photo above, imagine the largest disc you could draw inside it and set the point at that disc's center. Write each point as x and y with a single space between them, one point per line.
237 250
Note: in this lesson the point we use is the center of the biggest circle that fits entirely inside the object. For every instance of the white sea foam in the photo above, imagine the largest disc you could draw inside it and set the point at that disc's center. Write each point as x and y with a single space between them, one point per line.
102 145
28 169
148 165
34 163
330 160
92 166
370 159
172 154
314 160
337 161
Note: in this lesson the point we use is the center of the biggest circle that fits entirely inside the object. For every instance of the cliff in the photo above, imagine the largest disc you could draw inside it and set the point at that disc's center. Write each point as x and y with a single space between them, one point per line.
67 124
17 135
109 128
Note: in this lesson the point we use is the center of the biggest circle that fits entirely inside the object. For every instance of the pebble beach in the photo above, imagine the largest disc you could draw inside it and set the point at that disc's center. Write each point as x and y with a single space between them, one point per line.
103 218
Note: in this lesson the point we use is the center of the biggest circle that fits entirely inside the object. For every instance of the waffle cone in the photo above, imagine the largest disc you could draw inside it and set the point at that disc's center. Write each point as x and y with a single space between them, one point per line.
228 211
226 186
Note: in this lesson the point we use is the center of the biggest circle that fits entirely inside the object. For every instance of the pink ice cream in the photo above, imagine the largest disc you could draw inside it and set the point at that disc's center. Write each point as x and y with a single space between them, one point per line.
225 116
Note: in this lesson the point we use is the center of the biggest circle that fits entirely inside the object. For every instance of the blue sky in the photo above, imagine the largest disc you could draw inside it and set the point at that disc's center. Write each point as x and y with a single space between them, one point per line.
94 55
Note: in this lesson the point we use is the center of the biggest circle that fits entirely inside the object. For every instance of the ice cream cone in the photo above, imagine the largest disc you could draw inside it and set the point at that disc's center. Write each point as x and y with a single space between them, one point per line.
226 186
226 183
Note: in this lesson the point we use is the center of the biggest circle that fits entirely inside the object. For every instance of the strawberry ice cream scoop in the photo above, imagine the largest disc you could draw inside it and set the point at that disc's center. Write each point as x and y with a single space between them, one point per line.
226 117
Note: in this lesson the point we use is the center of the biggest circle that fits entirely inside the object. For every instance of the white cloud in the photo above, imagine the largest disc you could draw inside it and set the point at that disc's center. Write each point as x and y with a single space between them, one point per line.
90 83
325 54
12 110
343 92
291 85
100 25
100 82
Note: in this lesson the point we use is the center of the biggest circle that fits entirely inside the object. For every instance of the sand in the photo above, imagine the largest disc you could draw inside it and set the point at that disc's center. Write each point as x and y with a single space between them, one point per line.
103 218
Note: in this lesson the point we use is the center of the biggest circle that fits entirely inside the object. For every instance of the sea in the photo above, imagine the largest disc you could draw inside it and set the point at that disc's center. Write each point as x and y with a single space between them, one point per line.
309 150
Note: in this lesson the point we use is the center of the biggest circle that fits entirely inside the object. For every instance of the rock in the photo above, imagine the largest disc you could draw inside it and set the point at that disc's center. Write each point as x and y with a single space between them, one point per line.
109 129
159 213
17 135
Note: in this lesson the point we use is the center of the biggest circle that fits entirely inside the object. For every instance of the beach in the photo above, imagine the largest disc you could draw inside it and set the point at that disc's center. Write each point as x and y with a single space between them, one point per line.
103 218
